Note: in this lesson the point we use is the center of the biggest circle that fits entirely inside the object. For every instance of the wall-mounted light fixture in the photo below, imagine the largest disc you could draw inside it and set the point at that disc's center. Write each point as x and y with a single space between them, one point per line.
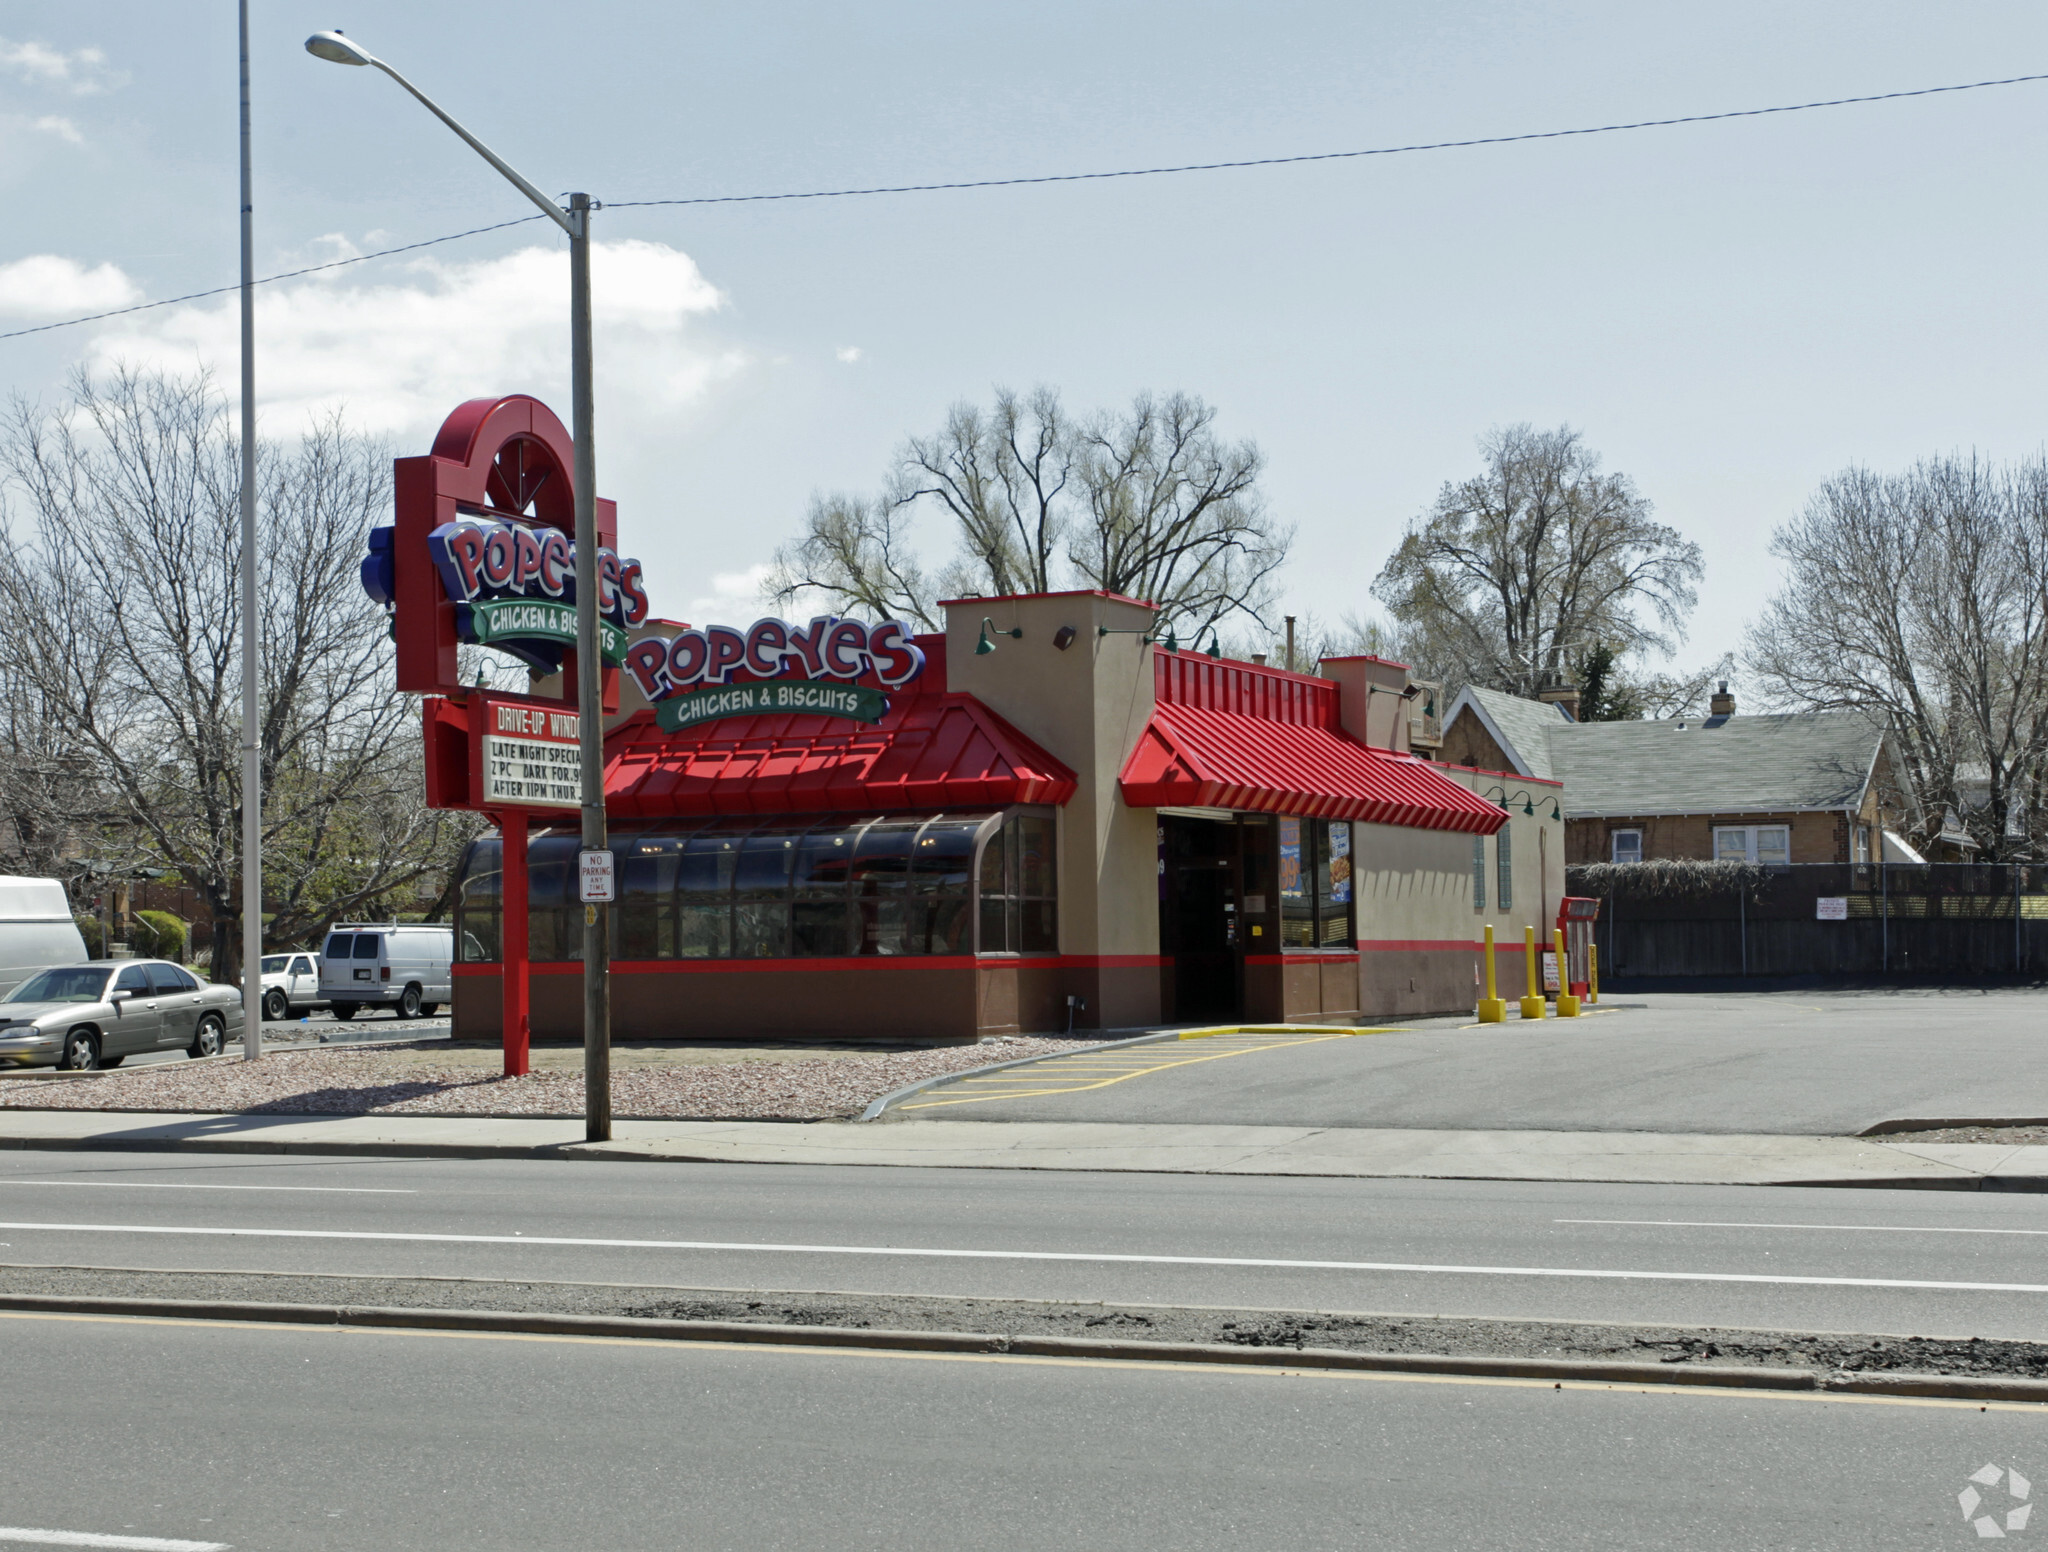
1063 638
984 646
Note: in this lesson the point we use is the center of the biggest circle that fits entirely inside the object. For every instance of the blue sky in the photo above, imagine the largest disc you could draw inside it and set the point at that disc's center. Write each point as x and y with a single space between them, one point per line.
1730 312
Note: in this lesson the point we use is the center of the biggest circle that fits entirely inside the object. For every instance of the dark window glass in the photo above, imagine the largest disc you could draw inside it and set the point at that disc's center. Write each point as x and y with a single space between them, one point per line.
881 888
1297 896
704 878
367 944
338 944
1018 911
167 979
645 916
133 979
1318 886
820 920
944 859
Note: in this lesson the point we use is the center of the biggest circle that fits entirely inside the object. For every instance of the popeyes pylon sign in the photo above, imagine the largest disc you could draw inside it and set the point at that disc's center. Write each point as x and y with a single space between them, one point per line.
481 551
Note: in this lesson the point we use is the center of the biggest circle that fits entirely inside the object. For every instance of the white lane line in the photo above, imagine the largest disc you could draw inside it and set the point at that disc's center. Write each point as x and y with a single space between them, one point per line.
1845 1228
180 1185
86 1538
929 1253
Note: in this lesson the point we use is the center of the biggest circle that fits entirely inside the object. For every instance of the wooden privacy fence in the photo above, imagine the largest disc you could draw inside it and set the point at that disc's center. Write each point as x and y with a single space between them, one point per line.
1873 919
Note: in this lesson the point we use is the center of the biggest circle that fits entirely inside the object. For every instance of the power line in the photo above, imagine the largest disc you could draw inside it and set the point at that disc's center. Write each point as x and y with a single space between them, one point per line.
290 274
1078 177
1335 156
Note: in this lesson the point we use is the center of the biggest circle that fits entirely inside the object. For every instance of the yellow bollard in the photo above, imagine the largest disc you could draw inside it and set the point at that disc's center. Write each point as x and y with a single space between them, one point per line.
1532 1001
1592 972
1491 1010
1567 1004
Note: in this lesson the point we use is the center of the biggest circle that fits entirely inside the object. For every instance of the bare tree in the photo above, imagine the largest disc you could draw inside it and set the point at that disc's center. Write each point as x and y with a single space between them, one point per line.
1923 597
1515 574
1149 503
119 610
1175 515
856 552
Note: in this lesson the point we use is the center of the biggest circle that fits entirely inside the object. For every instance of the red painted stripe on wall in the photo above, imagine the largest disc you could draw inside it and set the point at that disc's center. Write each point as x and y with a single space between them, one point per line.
863 962
1332 957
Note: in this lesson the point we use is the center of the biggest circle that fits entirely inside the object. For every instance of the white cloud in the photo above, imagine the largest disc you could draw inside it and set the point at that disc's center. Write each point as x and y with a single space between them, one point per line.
47 285
848 353
62 128
734 599
81 71
398 356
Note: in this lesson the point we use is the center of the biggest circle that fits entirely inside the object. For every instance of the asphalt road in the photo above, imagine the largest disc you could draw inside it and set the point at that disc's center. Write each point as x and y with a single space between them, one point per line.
1928 1263
1828 1063
291 1439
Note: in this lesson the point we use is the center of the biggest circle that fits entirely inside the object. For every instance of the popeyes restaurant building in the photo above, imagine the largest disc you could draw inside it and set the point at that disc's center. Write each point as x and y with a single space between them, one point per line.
1039 817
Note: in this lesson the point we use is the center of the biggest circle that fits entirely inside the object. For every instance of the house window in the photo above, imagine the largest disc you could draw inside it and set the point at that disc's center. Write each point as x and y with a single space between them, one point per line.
1315 883
1504 854
1626 845
1862 844
1770 845
1478 872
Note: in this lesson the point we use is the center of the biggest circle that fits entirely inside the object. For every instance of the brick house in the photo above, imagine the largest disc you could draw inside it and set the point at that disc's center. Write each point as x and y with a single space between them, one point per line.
1784 787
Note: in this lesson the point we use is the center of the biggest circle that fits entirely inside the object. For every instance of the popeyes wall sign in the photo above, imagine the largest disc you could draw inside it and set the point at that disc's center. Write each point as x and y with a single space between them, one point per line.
797 670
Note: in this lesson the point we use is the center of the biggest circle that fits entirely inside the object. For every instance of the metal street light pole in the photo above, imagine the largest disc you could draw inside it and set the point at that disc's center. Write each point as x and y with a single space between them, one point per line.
574 220
252 759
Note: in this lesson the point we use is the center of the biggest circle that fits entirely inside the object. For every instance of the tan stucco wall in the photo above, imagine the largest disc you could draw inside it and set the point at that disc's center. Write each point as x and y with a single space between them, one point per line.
1537 846
1085 705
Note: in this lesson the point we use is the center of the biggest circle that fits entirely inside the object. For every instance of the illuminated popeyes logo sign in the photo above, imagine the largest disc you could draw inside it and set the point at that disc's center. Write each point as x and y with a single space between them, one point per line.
514 588
794 668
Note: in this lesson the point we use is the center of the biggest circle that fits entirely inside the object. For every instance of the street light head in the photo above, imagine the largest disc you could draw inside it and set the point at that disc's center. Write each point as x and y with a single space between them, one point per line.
336 49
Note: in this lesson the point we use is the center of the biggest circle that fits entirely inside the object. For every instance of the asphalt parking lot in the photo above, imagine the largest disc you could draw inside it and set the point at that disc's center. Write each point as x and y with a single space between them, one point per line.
1789 1062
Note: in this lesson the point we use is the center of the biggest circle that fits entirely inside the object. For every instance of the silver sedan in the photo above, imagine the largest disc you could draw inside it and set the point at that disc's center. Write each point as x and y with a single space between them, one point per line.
101 1013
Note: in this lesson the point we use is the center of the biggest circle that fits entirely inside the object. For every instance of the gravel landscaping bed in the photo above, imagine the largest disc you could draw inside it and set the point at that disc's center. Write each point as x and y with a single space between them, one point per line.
2012 1136
1823 1352
399 1080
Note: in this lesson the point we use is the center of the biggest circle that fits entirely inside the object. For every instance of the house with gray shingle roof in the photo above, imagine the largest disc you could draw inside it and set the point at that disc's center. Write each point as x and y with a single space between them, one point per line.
1812 786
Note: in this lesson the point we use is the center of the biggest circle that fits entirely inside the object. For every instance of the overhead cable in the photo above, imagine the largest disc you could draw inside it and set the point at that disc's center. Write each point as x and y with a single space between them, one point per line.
1087 177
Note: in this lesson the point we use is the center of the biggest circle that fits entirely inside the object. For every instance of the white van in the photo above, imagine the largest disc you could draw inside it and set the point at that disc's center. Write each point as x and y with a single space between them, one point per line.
385 965
36 929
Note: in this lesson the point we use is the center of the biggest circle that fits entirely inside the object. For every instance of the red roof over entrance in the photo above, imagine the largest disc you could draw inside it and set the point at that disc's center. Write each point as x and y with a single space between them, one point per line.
1189 757
931 751
1235 735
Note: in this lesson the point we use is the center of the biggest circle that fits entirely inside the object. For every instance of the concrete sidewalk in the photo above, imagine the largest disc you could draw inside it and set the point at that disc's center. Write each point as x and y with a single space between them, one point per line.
1660 1158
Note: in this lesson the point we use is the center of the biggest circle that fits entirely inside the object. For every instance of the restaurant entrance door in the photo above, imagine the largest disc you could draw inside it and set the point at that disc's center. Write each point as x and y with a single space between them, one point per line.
1199 917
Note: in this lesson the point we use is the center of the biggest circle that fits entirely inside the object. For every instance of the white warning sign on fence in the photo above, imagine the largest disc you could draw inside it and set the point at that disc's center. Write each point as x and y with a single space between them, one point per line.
1831 908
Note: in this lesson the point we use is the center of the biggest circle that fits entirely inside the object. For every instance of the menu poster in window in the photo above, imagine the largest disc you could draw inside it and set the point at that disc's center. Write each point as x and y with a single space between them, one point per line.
1340 861
1290 859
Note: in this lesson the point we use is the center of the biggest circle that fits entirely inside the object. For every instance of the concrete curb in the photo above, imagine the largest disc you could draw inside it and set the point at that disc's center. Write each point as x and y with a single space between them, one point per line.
875 1109
1192 1032
1983 1389
1556 1370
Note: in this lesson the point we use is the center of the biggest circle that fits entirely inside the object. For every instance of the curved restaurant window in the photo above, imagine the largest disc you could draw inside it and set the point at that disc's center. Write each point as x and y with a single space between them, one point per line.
1019 904
890 885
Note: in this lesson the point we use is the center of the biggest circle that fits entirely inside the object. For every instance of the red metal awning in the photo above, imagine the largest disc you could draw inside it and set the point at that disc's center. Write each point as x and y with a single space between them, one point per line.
1192 757
931 751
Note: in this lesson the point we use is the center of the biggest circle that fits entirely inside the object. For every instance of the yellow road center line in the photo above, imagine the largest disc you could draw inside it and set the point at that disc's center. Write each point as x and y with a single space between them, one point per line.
685 1345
